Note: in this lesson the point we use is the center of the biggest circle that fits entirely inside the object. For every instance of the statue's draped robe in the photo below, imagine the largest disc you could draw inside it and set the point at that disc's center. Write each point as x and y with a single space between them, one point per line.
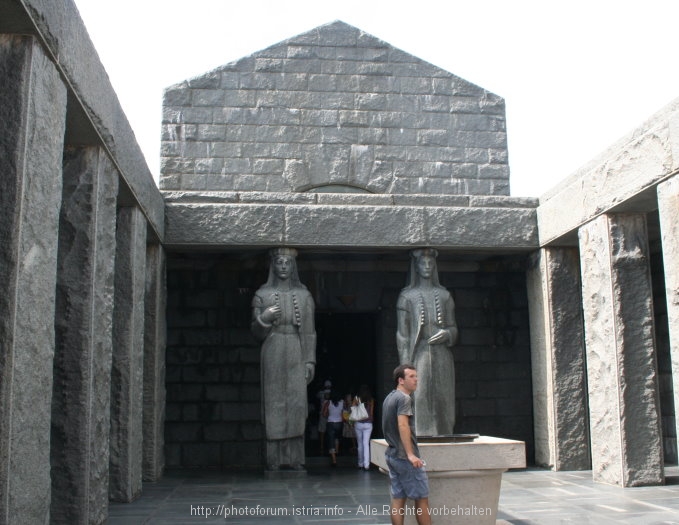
422 312
289 344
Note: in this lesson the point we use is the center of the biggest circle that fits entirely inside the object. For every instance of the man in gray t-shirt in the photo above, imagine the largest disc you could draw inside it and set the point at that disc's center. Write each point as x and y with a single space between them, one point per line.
398 403
406 469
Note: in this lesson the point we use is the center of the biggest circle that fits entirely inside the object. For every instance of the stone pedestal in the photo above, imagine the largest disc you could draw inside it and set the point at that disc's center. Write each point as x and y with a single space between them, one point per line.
464 478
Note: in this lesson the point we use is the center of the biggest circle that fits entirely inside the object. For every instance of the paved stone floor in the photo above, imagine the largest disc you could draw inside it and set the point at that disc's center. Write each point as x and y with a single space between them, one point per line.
347 496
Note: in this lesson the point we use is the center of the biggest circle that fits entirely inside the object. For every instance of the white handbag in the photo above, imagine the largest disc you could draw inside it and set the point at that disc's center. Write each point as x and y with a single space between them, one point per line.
358 412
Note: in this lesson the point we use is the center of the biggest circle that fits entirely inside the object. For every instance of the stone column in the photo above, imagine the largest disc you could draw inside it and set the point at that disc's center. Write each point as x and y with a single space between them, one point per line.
32 123
83 325
558 360
668 207
154 363
128 356
621 362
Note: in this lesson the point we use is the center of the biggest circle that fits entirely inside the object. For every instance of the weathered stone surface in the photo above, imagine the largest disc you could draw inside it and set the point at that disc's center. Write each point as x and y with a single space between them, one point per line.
239 224
354 199
348 195
430 200
128 356
220 197
83 323
621 363
350 225
491 201
259 197
480 227
558 360
155 302
62 32
334 106
616 178
32 122
668 207
353 225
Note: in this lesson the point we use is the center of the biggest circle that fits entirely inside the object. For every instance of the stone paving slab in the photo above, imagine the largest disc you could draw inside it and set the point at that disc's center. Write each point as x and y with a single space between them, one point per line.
346 496
544 497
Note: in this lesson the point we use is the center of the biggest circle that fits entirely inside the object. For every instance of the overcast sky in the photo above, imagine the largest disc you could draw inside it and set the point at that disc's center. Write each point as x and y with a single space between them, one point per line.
576 76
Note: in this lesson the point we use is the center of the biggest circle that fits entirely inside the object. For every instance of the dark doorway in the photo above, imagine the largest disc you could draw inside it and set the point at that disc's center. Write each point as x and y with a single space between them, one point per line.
346 349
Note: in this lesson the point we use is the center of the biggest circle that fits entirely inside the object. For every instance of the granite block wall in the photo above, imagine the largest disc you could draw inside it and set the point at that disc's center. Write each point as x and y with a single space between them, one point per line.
492 356
213 388
212 366
333 106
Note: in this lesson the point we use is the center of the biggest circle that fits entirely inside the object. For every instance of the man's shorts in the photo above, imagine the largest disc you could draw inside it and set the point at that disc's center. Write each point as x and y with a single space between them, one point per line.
406 480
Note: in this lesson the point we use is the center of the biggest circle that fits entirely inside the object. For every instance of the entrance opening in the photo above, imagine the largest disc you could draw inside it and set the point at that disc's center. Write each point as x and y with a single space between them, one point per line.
346 354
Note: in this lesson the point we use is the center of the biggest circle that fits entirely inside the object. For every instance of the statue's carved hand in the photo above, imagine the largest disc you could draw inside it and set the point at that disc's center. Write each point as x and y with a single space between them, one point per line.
271 314
310 372
442 336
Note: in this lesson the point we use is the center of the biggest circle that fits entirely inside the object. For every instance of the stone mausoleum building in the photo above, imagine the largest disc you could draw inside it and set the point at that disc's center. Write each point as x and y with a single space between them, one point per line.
125 346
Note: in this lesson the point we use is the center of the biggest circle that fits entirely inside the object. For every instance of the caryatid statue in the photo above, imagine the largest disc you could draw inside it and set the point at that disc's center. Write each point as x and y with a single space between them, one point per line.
426 333
283 318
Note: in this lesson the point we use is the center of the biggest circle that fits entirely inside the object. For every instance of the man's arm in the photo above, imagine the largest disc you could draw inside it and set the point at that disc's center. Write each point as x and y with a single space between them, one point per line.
406 439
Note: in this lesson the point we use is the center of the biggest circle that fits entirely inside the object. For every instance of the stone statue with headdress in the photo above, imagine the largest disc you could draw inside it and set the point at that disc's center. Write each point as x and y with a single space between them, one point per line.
283 319
425 336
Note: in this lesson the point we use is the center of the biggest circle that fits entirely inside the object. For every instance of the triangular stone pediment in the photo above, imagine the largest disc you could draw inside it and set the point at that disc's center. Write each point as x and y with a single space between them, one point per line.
344 43
334 106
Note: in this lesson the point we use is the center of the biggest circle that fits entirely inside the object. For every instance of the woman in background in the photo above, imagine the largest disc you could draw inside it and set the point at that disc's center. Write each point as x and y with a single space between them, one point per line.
363 429
334 409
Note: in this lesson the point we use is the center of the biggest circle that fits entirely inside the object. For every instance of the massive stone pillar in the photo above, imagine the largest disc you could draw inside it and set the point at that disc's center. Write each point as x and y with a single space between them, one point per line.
668 207
154 363
84 317
558 360
32 123
128 356
620 340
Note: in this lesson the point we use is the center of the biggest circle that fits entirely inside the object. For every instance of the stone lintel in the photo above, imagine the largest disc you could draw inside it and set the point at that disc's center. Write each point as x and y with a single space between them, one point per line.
32 126
351 199
206 225
618 177
84 318
668 208
622 373
558 360
128 357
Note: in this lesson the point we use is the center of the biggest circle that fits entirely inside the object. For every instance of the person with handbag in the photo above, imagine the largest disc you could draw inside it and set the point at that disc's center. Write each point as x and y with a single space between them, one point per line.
333 411
348 428
363 407
323 398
